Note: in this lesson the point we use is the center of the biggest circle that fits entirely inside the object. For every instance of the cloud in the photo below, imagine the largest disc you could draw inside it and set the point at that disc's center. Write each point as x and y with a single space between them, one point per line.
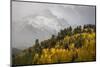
43 21
40 20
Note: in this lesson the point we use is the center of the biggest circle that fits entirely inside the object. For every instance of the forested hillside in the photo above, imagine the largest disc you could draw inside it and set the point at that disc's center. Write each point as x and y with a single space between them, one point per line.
70 45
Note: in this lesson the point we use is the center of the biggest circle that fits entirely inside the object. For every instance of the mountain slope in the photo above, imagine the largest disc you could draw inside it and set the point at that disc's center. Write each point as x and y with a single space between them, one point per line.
33 27
68 46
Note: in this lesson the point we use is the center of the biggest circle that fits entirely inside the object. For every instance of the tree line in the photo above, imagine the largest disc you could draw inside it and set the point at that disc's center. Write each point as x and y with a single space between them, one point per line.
68 46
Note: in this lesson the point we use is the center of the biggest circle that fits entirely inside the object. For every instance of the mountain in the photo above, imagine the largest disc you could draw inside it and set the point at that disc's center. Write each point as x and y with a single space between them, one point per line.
32 27
39 27
68 46
15 51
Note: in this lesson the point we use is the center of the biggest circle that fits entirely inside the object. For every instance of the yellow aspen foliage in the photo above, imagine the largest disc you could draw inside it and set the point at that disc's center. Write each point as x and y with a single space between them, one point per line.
53 50
71 46
62 49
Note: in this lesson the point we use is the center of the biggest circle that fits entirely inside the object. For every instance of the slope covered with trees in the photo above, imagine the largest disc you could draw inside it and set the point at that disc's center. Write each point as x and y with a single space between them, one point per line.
70 45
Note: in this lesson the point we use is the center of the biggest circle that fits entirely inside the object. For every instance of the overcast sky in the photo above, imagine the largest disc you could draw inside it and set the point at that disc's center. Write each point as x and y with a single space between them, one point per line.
29 17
